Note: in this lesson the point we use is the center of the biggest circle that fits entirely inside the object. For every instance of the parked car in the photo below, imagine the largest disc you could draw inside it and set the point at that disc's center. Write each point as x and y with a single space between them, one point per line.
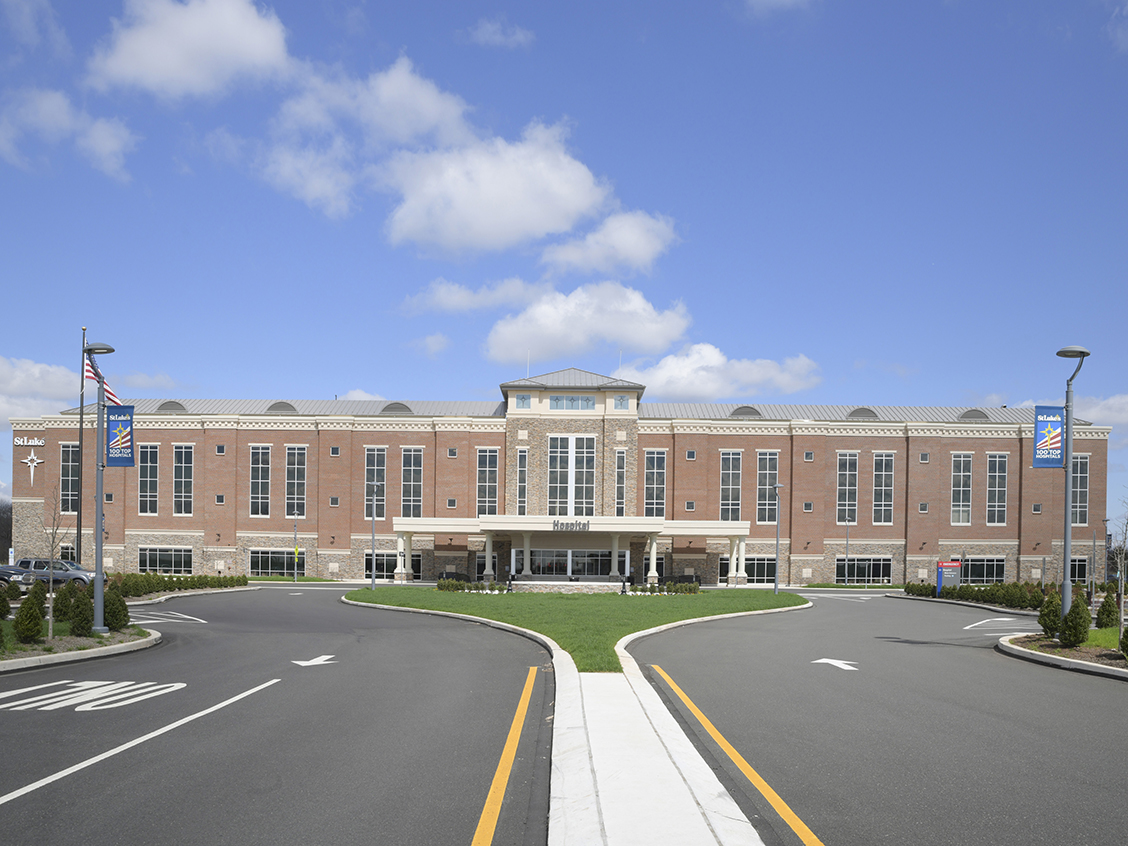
11 573
60 571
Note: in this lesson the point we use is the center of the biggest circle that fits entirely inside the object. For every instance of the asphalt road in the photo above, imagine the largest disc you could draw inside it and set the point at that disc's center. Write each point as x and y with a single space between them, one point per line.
395 738
933 738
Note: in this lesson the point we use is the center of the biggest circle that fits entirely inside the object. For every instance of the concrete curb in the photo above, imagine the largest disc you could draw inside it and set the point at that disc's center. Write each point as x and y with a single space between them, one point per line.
169 596
575 813
1005 646
80 654
1023 612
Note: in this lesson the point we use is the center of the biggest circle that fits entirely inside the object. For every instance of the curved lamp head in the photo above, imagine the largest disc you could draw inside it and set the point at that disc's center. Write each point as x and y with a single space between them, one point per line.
105 349
1073 352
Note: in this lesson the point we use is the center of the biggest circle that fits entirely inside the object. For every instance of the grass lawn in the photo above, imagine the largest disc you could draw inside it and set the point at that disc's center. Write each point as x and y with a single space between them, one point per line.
1105 638
587 626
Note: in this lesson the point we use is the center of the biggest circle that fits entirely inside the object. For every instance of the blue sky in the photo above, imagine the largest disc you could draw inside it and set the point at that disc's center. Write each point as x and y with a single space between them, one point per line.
830 201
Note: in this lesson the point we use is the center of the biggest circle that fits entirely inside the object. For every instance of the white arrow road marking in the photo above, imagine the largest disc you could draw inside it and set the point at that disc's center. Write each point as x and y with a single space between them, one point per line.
318 661
162 617
990 620
842 665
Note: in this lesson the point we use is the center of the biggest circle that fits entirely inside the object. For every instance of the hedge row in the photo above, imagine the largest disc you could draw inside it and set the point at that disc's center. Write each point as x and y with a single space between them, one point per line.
140 584
1006 594
472 587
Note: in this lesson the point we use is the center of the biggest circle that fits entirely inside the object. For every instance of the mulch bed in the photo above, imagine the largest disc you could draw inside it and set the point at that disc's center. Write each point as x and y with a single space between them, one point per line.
69 644
1092 654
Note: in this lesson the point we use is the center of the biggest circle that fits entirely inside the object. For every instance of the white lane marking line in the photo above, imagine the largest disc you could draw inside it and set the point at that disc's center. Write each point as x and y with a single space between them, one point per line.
990 620
834 662
89 762
315 662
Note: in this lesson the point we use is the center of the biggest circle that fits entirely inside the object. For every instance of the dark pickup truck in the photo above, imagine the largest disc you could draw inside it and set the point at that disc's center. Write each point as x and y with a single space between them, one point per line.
60 571
10 573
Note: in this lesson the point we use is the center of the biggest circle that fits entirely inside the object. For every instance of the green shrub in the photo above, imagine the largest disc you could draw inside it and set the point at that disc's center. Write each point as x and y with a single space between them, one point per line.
82 614
28 625
1124 643
1049 618
114 611
13 590
5 607
64 600
1075 626
38 597
1108 615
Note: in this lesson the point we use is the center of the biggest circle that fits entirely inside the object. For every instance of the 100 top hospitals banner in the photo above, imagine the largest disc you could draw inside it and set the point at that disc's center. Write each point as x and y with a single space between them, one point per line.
1048 444
119 440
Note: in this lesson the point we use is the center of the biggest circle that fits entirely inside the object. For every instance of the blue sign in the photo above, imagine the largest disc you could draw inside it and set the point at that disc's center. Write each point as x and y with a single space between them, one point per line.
1049 449
119 436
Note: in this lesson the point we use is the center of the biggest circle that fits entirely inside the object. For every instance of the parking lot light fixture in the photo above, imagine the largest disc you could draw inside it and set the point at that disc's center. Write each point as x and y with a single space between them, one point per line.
92 350
1078 353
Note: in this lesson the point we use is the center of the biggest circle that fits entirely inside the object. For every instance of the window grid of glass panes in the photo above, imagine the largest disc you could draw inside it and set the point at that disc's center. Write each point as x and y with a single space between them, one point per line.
277 562
583 483
182 455
996 489
147 456
169 561
487 481
68 478
654 483
386 565
260 481
863 570
620 483
847 488
522 482
961 489
411 484
295 481
882 488
760 570
982 571
375 471
1080 509
767 476
558 474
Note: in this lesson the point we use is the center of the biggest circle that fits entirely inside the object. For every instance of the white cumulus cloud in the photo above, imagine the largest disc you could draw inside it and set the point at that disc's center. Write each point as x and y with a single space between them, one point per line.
703 373
628 241
195 48
442 295
34 21
358 394
31 388
491 195
1108 411
559 325
50 116
498 32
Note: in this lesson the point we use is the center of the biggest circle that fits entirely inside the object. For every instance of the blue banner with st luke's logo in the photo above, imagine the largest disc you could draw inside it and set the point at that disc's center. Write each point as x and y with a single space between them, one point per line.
119 436
1049 448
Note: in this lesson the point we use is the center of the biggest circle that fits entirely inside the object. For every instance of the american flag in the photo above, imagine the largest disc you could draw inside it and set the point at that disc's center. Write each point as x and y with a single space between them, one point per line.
92 374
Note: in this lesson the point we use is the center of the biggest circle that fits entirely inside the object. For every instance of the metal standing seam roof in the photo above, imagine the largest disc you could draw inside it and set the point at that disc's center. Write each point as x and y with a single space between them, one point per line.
321 408
572 378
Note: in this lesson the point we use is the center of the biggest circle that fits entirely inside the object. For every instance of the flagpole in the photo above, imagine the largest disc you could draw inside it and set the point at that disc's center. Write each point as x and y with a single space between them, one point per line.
81 456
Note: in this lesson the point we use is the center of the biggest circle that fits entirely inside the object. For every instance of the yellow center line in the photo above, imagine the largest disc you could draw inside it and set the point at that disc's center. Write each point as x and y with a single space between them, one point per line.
492 810
789 816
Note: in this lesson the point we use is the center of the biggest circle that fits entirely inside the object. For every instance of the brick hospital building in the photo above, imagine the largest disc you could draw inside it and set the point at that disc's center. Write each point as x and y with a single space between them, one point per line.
569 475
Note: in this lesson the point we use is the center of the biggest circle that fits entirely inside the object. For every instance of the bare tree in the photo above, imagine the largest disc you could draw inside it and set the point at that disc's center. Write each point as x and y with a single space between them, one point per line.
55 535
5 527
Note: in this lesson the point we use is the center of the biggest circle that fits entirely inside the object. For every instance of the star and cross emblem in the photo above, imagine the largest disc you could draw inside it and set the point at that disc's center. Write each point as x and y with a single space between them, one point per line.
32 461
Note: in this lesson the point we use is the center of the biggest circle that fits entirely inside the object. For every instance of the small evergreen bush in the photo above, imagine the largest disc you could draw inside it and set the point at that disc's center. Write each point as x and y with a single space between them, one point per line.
1049 618
1075 626
115 611
64 600
5 607
28 625
13 590
1108 615
82 614
38 597
1124 643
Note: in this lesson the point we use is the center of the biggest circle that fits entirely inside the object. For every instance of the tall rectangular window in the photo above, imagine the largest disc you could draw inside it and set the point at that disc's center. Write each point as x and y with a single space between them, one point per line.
411 495
847 488
375 468
1080 507
882 488
171 561
147 455
654 484
522 482
260 481
182 479
571 475
620 483
730 484
68 479
961 489
996 489
487 481
295 481
767 477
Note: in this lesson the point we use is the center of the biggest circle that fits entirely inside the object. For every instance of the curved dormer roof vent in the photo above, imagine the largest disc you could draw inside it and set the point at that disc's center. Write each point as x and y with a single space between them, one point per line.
281 407
862 413
746 411
974 414
171 407
396 408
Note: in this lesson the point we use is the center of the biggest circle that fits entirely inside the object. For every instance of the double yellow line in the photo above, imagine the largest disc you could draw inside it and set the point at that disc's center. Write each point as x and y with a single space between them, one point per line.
487 823
781 807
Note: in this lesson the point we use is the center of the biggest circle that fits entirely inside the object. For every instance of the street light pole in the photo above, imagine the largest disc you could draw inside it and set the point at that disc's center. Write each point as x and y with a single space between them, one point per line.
777 486
92 350
1078 353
